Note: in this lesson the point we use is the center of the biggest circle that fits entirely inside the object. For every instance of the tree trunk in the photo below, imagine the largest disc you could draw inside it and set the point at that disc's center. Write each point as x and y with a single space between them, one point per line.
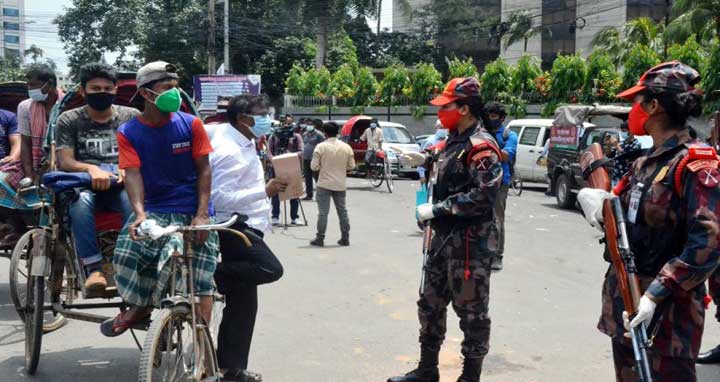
525 46
321 41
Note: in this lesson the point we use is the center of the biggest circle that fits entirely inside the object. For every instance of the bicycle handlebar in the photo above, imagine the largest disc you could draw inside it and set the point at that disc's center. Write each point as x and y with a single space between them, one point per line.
153 231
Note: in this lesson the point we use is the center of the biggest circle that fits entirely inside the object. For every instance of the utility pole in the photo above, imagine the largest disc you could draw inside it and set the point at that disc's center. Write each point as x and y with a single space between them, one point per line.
227 37
211 37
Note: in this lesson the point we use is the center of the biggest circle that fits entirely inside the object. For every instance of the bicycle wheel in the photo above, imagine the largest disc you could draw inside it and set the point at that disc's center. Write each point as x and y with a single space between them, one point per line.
34 322
388 177
19 271
516 184
168 353
376 175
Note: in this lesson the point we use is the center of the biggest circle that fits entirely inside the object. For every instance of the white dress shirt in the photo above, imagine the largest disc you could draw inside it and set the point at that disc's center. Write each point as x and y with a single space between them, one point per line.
238 181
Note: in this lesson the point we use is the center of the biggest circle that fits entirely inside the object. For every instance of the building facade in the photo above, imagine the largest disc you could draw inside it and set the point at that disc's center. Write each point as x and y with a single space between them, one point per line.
559 26
12 28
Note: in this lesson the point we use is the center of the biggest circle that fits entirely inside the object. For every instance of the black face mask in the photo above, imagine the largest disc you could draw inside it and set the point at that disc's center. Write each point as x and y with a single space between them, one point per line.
100 101
494 124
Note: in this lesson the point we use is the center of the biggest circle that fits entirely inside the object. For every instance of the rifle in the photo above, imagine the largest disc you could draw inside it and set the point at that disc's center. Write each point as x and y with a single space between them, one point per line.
427 230
621 256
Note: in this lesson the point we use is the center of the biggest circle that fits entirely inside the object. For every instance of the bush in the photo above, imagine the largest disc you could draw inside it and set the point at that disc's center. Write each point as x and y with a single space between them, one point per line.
366 87
295 81
495 79
711 78
459 68
524 75
602 81
343 84
690 53
425 81
567 78
317 82
394 81
640 59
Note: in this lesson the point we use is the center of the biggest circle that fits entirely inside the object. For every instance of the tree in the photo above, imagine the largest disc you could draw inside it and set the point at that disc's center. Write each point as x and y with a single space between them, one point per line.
341 50
524 74
277 60
461 68
639 60
395 79
711 78
690 53
10 69
617 44
602 81
495 79
610 41
567 78
698 12
34 52
520 28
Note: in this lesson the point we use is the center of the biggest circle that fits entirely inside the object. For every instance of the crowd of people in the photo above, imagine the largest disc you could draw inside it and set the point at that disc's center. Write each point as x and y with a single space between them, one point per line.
163 165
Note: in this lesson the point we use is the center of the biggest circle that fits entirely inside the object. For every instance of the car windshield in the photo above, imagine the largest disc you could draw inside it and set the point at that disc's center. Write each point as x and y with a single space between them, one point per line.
397 135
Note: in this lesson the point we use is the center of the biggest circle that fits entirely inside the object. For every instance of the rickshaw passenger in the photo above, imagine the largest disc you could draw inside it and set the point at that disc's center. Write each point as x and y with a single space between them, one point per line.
168 176
33 115
86 140
374 138
10 175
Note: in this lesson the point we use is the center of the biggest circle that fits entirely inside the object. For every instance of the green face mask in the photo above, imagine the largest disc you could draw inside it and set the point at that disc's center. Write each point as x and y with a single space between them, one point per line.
168 101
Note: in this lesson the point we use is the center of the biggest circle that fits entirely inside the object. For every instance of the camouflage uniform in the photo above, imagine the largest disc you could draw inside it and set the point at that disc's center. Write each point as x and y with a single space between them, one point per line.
675 242
464 242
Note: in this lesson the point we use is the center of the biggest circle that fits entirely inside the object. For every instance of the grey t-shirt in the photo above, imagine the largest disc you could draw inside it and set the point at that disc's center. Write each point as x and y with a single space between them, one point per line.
91 142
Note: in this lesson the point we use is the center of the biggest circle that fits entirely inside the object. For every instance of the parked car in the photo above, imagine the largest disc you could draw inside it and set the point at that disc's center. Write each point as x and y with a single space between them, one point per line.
563 162
532 135
394 135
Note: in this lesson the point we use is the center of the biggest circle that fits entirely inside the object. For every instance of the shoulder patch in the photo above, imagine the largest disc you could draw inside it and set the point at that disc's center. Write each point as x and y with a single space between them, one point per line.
709 177
701 160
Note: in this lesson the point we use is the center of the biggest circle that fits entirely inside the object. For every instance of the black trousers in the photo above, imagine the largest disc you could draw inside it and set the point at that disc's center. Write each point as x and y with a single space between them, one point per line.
309 178
242 269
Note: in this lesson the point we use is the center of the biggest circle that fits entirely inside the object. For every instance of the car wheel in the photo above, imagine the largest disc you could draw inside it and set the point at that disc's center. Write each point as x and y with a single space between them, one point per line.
563 192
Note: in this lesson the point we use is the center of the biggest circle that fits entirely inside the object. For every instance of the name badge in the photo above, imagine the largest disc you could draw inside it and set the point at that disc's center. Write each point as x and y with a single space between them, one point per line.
634 206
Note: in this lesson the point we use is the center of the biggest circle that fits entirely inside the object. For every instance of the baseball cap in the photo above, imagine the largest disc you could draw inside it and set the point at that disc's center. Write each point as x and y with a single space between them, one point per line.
154 71
673 76
456 89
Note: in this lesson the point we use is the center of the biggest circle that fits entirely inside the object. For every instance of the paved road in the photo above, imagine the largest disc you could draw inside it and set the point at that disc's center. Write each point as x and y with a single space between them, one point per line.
348 314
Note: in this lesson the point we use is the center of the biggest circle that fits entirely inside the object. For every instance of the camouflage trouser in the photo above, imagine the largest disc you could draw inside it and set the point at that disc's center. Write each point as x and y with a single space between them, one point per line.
714 290
664 369
444 283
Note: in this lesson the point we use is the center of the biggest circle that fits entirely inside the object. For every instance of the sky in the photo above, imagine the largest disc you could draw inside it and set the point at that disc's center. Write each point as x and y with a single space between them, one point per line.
43 33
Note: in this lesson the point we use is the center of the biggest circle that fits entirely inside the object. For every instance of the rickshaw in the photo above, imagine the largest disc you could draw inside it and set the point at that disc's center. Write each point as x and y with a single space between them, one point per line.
47 279
380 169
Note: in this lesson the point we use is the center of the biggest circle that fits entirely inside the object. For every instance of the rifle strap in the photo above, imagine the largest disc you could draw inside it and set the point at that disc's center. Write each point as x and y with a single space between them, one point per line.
594 166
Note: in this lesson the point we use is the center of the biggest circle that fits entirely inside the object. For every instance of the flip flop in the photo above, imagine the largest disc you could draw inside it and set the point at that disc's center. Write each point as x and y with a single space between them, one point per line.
114 327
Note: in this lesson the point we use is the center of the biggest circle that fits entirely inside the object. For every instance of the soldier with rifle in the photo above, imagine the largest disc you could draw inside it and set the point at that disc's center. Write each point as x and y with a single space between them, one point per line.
464 235
662 232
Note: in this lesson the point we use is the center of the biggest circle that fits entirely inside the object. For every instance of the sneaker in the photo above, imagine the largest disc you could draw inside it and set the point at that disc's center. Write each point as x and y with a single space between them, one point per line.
96 281
294 222
275 221
497 264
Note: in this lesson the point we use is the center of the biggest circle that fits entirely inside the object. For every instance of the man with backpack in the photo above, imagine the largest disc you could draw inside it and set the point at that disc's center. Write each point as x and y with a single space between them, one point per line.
507 141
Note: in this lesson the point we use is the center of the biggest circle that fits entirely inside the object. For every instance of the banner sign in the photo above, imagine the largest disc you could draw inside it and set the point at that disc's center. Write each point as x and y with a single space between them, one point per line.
209 87
564 137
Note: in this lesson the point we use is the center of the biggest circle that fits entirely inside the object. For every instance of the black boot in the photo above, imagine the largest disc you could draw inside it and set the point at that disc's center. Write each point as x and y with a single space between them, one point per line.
709 357
472 368
427 370
318 242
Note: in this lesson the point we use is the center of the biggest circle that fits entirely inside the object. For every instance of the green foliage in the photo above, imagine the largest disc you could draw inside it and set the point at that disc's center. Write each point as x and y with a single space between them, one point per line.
516 106
711 78
689 53
524 74
366 87
425 81
10 70
461 68
295 82
395 79
343 84
274 64
495 79
341 51
639 60
567 78
602 81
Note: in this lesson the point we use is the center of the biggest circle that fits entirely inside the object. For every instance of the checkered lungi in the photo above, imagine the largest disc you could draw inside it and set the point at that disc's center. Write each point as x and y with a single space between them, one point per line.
142 268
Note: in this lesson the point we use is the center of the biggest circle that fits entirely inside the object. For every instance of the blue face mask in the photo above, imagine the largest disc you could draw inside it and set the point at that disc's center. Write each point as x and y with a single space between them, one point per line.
441 133
262 125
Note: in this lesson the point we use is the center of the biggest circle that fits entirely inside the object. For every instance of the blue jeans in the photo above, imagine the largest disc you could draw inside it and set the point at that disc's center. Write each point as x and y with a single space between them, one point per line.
82 219
294 206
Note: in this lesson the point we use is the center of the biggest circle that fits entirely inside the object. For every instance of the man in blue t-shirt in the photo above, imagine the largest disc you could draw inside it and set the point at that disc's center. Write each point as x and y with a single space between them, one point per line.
9 137
507 142
164 153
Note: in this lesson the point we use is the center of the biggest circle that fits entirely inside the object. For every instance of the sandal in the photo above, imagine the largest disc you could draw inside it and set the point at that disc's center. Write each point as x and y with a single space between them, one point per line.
114 327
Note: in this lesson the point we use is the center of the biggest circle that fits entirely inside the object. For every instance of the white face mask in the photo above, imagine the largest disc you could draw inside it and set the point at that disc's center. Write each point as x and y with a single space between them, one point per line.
37 95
